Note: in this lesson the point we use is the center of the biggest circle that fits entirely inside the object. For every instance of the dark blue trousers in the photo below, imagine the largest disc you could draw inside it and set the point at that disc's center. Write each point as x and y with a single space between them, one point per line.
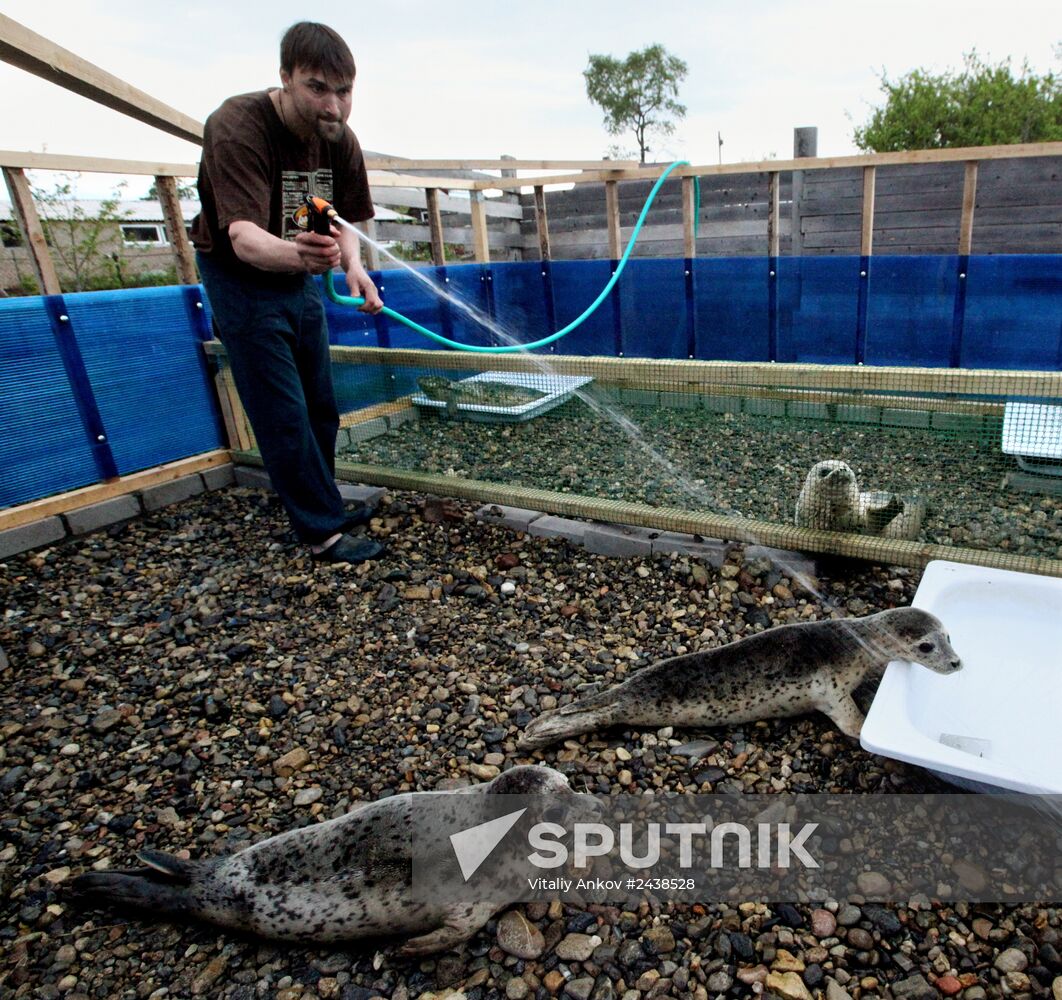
276 339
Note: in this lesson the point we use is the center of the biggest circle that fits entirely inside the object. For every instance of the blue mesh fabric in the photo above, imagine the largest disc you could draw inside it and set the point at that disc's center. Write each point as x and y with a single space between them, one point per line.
148 373
45 450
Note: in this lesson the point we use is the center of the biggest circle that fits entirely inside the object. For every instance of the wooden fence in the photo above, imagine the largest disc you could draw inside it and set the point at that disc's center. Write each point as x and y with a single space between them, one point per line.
915 201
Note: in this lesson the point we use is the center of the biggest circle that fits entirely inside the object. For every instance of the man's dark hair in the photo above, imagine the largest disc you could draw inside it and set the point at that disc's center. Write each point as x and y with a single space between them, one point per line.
316 47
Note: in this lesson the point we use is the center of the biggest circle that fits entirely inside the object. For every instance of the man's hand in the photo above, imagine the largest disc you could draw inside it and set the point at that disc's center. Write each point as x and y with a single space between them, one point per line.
318 254
361 284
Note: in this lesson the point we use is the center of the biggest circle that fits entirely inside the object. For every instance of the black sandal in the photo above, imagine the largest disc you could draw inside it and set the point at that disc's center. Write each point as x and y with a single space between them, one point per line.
350 550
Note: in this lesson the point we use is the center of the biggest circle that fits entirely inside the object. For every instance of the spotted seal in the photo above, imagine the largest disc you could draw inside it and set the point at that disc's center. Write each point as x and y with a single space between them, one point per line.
831 500
788 670
346 878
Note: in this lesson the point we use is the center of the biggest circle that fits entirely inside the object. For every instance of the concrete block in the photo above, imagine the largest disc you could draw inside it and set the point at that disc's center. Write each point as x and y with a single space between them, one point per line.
904 418
1029 482
368 430
100 515
639 397
618 540
681 400
712 550
790 563
765 407
249 475
156 497
859 414
513 518
218 478
31 536
722 404
809 411
962 423
354 492
401 418
549 526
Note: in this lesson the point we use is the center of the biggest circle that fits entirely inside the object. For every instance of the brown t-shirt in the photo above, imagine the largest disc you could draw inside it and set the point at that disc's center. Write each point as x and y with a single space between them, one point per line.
253 169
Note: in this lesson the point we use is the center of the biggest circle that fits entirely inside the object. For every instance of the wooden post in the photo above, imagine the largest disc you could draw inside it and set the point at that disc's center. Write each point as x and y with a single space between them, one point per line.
372 255
171 212
542 222
612 216
969 198
689 218
481 241
438 247
773 234
30 224
866 242
805 145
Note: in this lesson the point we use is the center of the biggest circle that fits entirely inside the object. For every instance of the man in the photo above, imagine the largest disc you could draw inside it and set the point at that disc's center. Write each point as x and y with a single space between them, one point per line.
262 154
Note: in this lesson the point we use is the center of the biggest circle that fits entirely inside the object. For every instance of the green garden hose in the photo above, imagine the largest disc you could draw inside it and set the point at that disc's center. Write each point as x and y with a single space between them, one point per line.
351 300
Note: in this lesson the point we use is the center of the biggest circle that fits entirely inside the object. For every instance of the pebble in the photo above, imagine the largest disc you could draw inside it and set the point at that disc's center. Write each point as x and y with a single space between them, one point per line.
861 939
577 947
823 923
873 884
1011 960
788 985
517 936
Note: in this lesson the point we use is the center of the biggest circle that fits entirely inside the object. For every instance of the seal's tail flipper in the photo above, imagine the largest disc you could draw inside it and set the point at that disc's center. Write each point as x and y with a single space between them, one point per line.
162 886
563 723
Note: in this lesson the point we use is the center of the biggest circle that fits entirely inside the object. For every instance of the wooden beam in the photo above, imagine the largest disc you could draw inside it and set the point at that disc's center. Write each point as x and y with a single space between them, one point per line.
94 164
438 246
969 199
36 54
398 163
171 213
612 219
26 513
542 224
774 227
978 153
30 224
480 237
379 178
867 238
689 218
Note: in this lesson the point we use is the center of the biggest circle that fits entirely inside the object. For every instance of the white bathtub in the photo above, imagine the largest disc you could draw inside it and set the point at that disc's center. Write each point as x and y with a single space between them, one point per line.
998 721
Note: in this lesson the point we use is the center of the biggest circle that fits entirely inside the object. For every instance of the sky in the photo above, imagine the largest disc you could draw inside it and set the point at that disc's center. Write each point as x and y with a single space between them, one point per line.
478 80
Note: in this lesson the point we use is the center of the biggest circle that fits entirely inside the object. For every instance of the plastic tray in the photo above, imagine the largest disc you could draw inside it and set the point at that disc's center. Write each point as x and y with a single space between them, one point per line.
1034 430
995 724
559 389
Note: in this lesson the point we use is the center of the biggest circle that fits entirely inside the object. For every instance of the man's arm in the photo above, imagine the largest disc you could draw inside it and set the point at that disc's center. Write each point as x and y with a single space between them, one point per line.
358 280
307 252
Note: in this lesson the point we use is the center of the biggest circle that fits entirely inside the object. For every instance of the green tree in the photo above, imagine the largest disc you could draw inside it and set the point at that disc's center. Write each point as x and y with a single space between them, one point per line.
637 94
982 105
87 245
184 191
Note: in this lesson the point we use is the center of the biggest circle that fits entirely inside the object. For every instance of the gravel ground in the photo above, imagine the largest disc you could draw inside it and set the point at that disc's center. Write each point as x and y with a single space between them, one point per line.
736 464
190 681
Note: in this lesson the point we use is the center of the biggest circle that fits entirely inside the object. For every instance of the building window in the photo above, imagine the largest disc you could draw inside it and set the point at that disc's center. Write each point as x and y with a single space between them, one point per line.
142 235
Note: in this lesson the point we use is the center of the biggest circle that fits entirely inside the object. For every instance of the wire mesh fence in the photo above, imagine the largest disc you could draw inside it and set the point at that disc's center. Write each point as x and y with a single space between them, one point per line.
895 464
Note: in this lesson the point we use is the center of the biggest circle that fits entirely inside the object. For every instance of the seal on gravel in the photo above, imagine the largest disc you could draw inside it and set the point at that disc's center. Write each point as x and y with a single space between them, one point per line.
347 878
788 670
831 500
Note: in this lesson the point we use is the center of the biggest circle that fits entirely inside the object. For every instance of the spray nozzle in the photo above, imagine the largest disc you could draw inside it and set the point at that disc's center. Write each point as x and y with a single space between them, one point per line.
321 215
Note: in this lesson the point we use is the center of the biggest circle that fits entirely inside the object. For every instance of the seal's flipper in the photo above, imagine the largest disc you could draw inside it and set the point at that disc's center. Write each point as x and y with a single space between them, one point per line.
139 888
846 716
563 723
462 925
168 864
879 515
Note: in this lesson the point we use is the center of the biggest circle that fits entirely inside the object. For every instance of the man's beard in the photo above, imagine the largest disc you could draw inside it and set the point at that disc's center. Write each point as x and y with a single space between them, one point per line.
330 131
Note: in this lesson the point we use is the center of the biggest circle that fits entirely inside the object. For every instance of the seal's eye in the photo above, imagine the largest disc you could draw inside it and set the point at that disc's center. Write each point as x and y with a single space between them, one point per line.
926 647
